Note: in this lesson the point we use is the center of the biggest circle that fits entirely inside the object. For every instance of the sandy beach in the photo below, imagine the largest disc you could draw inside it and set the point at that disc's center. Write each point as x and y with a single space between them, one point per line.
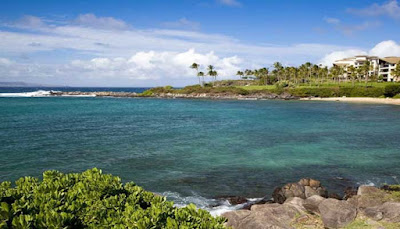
357 100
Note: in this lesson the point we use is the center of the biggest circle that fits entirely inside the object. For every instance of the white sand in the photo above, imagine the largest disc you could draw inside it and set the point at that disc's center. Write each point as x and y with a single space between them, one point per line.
357 100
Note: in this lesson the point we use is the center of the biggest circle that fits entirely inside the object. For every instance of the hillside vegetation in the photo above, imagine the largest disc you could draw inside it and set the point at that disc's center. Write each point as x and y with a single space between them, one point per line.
92 200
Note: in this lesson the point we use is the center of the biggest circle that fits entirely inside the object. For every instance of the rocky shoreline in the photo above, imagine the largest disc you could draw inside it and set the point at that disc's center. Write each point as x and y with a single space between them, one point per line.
307 204
229 96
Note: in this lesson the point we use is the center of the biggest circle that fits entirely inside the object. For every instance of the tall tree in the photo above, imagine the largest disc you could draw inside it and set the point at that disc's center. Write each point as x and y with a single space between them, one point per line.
366 68
212 73
240 74
278 67
396 72
196 67
351 70
201 74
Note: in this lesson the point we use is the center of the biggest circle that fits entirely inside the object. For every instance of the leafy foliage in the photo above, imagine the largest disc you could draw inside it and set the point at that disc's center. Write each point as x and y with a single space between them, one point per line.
392 90
92 200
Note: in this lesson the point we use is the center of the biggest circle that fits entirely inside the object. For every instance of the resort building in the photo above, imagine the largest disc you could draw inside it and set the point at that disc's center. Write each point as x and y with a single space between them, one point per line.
381 67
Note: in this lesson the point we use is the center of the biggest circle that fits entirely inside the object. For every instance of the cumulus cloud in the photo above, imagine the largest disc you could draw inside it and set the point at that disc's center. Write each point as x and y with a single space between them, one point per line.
390 8
154 65
386 48
338 55
142 66
135 54
229 2
382 49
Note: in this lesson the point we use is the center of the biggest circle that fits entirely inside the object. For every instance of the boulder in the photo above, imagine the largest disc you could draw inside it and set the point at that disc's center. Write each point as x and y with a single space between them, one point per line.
370 196
311 204
266 215
287 191
367 190
296 202
236 217
305 188
391 212
373 213
336 213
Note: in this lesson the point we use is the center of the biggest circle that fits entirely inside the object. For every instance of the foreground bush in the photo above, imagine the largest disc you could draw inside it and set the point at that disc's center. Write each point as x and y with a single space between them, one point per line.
392 90
92 200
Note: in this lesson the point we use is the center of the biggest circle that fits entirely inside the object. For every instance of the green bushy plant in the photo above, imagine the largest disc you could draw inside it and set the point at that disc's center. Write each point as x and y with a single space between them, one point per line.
392 90
92 200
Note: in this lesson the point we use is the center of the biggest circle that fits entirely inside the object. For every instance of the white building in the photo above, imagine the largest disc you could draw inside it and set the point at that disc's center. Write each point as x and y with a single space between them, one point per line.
380 66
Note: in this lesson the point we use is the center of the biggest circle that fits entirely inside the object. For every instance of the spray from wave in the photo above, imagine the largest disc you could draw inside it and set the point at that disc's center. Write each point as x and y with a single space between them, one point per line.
40 93
216 207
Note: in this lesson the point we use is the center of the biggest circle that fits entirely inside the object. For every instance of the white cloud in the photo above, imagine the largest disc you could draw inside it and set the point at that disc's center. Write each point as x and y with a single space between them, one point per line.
332 57
386 48
230 2
390 8
157 53
382 49
92 20
155 65
331 20
182 23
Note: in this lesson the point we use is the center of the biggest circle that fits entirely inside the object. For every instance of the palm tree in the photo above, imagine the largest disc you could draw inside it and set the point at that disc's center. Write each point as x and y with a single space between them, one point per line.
212 73
351 70
201 74
240 74
196 66
396 72
278 67
248 73
308 66
366 68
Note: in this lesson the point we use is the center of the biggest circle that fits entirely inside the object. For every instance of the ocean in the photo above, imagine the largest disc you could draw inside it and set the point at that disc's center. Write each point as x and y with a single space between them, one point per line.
199 150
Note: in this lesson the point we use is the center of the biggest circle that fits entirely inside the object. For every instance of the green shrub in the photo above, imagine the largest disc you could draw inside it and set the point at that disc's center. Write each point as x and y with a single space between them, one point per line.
147 93
92 200
361 91
392 90
314 92
396 96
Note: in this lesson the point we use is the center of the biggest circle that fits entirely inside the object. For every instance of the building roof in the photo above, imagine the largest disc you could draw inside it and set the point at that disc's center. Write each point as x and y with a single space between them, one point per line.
392 59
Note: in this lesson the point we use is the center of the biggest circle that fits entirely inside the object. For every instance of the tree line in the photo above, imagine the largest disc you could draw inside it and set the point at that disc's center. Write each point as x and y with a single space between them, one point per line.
306 73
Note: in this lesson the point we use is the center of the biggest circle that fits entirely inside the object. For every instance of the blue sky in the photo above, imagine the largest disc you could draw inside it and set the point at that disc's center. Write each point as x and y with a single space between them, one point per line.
149 43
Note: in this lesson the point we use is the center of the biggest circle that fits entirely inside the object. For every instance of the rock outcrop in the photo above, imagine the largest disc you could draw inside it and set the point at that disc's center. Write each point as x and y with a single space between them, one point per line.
305 188
336 213
306 204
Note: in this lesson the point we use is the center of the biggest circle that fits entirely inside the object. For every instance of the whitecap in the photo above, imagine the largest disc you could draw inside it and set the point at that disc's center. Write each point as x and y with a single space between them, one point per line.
216 207
40 93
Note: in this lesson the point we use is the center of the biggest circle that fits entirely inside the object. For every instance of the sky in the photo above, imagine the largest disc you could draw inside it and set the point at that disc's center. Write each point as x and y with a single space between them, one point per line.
140 43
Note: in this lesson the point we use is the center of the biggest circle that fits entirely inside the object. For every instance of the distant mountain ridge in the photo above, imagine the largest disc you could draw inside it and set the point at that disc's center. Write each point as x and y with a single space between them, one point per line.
21 84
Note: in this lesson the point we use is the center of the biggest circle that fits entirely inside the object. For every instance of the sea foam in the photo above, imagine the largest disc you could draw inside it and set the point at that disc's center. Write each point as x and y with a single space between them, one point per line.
216 207
40 93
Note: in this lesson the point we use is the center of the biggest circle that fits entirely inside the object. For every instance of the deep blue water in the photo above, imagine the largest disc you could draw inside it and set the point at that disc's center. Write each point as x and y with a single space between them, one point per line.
202 148
86 89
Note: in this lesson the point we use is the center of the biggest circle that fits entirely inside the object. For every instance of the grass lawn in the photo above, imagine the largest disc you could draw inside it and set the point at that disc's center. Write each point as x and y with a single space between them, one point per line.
324 85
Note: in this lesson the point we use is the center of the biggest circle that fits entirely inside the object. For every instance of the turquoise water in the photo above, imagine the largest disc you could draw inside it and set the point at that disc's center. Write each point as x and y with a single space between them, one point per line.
204 148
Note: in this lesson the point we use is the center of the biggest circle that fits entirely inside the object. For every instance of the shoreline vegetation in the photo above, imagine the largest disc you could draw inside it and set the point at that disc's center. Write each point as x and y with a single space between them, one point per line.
383 92
92 199
283 82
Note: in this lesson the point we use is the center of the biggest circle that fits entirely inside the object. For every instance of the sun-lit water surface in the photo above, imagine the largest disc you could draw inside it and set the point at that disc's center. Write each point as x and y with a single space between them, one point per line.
203 148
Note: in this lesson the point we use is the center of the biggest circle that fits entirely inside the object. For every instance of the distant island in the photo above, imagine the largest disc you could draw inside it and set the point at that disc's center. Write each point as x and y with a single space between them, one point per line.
21 84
